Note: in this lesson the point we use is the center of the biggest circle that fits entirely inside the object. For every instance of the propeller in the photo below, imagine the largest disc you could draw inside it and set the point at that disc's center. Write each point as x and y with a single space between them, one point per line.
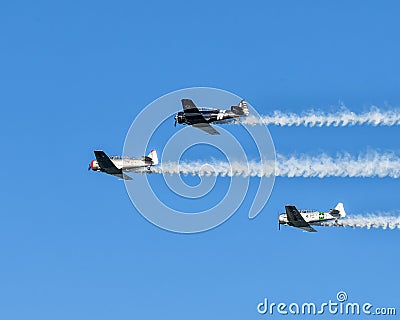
279 223
89 167
175 123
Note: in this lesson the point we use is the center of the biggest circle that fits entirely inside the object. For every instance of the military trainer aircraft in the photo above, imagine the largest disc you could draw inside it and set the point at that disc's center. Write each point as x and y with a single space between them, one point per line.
201 118
303 219
117 165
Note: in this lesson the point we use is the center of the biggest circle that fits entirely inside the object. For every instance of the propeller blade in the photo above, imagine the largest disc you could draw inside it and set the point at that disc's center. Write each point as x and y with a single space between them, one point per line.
175 124
279 223
88 168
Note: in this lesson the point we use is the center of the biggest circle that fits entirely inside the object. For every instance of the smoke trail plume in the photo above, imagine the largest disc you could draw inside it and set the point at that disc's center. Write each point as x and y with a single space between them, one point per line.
372 164
368 221
312 118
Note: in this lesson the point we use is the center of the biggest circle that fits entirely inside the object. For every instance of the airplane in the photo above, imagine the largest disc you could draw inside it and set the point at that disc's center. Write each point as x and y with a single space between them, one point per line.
117 165
303 219
201 118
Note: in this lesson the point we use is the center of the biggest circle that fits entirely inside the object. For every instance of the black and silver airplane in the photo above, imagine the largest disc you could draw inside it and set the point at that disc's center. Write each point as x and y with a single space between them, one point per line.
201 118
118 166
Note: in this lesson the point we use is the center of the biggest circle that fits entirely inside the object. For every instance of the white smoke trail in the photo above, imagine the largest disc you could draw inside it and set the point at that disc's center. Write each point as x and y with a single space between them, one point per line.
342 118
368 221
372 164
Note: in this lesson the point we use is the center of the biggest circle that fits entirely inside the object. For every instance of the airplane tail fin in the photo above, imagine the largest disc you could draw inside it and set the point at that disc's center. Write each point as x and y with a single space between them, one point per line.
241 109
153 156
339 207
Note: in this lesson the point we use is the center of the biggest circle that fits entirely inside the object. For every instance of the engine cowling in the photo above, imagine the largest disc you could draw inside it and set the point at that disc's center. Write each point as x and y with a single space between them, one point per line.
180 118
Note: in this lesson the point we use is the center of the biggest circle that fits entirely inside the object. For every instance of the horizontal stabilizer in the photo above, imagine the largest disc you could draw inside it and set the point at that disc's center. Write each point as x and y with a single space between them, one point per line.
241 109
146 159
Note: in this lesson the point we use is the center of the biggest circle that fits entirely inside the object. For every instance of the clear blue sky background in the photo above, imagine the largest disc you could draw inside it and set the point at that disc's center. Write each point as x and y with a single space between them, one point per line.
73 76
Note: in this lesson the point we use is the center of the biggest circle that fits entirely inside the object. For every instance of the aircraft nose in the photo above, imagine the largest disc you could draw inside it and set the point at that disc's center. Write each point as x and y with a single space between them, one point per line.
91 165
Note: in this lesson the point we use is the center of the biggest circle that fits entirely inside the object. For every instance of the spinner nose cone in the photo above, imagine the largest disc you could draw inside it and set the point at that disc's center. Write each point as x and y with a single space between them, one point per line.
92 165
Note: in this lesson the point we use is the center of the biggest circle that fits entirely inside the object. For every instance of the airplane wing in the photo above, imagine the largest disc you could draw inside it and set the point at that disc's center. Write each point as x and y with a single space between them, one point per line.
295 218
105 163
122 176
108 166
189 106
206 127
196 119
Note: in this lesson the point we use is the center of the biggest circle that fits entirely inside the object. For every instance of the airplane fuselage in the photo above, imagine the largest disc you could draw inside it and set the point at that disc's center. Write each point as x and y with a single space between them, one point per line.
126 164
211 116
118 166
310 216
202 118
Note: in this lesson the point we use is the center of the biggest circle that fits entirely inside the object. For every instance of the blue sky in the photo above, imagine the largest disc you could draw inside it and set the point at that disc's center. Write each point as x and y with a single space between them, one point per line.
74 75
